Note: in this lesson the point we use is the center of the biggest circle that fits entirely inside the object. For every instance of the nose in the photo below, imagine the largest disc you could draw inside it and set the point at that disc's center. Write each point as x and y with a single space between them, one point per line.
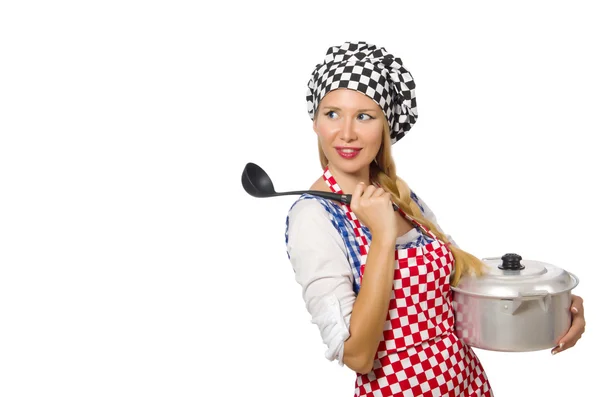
348 130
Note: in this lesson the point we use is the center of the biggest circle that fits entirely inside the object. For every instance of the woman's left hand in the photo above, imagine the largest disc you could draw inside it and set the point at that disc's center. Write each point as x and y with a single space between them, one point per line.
577 326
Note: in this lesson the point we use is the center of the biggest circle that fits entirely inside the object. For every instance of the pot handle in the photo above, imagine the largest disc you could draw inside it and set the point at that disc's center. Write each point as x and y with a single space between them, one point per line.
543 296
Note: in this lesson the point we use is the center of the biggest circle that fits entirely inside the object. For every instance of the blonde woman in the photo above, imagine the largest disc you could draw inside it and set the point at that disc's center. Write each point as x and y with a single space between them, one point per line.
377 281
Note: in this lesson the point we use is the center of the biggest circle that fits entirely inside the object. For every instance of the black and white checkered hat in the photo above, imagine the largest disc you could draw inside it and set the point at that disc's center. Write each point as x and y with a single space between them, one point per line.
371 70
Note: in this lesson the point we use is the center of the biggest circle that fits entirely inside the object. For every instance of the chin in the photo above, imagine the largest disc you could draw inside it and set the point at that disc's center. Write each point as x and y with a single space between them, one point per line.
350 168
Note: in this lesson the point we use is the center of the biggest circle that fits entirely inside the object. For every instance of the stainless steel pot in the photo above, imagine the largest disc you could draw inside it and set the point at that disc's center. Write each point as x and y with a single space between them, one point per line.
518 305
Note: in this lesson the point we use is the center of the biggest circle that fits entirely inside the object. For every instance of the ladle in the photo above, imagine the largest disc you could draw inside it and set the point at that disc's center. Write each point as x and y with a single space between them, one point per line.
257 183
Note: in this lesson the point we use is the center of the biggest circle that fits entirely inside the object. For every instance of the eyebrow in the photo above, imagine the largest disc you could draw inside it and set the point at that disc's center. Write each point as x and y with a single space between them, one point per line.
359 110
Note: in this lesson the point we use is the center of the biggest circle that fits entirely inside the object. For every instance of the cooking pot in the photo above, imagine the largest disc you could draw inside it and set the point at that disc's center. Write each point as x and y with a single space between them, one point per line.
517 305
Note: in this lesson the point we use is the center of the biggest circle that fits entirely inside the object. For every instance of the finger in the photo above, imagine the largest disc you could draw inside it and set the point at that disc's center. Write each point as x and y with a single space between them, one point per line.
356 195
379 192
369 191
360 187
572 336
577 305
577 328
564 346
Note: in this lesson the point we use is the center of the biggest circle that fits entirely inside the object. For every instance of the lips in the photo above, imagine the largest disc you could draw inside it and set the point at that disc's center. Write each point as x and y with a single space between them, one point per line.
348 147
347 152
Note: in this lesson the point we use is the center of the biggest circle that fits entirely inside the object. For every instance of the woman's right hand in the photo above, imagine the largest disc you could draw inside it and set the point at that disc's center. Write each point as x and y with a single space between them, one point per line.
373 207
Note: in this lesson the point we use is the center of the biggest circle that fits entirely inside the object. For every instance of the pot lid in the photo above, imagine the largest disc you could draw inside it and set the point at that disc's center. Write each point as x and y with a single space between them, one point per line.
512 277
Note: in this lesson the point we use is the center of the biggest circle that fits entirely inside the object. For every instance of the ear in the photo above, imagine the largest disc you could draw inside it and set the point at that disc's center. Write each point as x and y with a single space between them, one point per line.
315 125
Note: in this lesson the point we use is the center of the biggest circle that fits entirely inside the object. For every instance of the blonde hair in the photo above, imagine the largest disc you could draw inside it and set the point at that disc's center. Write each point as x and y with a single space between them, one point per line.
383 173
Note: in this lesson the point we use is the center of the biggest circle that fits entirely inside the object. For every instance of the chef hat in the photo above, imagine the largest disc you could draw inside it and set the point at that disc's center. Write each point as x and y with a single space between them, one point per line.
371 70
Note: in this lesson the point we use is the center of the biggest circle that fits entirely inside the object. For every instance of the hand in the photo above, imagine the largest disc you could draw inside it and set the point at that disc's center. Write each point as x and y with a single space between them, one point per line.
373 207
577 326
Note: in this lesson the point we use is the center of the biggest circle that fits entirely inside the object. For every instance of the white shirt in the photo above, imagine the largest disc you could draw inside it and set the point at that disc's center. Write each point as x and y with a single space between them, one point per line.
318 256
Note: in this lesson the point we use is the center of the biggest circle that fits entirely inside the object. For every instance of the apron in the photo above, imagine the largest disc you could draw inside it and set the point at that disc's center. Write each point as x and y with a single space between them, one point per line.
419 353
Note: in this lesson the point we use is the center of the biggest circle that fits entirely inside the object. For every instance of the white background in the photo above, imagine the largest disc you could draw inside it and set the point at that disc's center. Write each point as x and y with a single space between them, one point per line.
132 262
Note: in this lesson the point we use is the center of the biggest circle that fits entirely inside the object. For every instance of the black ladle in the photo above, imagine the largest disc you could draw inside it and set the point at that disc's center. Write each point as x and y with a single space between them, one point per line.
256 182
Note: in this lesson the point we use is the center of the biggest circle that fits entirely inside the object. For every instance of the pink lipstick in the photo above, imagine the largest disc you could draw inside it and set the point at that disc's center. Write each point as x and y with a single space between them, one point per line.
348 152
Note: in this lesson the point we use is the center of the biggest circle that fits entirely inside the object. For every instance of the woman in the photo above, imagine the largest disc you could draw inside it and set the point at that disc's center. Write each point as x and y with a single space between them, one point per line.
377 281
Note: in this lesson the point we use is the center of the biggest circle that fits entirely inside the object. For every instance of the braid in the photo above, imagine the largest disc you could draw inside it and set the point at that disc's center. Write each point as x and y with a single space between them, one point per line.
383 172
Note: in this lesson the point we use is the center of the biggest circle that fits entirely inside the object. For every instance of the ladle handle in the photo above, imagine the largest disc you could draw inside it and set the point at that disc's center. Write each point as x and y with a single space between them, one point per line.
344 198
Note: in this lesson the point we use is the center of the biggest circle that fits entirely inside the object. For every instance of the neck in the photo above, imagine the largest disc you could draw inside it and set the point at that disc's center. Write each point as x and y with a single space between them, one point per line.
348 181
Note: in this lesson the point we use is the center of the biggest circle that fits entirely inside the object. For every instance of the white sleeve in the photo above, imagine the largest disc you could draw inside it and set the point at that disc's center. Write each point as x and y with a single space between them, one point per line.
318 256
430 216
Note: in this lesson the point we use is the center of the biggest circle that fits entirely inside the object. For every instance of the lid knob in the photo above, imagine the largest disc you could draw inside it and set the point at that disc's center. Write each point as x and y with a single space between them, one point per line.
511 262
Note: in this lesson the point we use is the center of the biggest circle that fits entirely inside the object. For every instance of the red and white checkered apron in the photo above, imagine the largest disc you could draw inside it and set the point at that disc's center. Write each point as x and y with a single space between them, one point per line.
419 353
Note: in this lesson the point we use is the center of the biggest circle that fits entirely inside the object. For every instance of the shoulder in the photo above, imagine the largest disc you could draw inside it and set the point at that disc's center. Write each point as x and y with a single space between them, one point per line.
310 207
312 224
315 216
308 204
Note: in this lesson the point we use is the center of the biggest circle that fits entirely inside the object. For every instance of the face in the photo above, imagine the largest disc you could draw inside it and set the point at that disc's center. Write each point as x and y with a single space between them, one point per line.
349 119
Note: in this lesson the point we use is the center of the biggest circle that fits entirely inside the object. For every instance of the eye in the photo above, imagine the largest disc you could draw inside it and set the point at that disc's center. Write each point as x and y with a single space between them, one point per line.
328 114
364 114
